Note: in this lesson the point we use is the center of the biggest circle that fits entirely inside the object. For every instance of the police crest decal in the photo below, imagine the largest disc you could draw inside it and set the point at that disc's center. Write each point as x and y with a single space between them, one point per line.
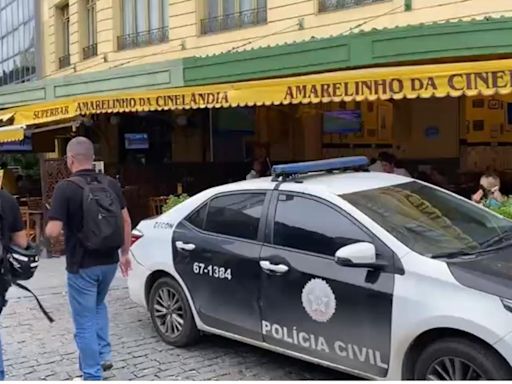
318 300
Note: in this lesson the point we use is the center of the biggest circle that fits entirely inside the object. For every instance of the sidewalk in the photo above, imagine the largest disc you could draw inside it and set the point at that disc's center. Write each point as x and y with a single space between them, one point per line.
50 278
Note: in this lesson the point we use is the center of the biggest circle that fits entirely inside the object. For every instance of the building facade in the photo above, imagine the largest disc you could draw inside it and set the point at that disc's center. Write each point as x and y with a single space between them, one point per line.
202 85
91 35
19 60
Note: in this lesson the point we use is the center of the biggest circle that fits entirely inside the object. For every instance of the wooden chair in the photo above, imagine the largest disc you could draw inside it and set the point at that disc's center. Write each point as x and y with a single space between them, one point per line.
156 205
35 203
29 224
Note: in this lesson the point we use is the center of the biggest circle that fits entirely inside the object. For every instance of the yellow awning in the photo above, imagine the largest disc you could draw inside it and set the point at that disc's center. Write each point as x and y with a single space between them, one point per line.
6 116
12 133
424 81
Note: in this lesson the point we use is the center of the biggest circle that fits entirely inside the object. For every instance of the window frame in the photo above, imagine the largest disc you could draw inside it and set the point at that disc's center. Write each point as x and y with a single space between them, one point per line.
220 7
147 17
92 22
383 251
206 17
261 226
65 26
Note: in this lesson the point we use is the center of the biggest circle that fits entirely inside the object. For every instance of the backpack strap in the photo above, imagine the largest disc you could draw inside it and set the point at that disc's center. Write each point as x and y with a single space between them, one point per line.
79 181
83 183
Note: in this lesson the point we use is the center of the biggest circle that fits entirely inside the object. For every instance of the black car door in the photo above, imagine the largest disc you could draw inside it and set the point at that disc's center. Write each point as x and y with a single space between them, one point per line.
313 306
216 252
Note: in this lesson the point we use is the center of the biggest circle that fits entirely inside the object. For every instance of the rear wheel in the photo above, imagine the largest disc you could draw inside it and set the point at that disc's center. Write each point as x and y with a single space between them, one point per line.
171 314
460 359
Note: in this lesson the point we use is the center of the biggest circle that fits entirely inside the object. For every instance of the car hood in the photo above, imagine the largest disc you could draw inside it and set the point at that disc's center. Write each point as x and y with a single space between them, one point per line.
490 273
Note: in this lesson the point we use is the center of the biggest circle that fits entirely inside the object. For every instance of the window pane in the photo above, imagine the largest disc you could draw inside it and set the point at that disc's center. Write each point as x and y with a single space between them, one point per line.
235 215
154 14
197 218
10 44
91 23
8 21
307 225
15 19
228 7
128 16
4 47
31 8
212 8
262 4
141 15
245 5
16 46
165 13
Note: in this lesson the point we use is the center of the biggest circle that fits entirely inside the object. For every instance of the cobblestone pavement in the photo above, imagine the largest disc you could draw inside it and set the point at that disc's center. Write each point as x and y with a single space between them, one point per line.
37 350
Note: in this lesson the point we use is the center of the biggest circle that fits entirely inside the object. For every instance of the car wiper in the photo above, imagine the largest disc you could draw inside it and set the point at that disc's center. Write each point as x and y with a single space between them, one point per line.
458 254
496 240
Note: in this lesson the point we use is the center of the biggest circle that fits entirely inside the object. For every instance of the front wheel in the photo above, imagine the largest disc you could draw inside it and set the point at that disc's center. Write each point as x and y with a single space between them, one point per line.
171 314
461 359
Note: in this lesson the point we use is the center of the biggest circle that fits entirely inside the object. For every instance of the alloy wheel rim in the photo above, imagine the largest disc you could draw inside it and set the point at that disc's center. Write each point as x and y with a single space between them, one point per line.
453 368
169 312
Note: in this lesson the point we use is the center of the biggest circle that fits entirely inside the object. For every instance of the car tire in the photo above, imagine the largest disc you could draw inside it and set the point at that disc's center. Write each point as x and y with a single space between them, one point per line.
460 359
171 314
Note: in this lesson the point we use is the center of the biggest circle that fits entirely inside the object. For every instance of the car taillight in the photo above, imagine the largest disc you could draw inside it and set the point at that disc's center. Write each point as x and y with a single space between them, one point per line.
136 236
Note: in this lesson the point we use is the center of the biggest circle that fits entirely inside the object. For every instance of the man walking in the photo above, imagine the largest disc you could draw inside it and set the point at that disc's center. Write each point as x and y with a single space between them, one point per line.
12 231
91 210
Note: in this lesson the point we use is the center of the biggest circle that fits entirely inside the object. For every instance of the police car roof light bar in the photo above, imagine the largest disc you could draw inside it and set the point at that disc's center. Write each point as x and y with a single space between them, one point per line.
287 171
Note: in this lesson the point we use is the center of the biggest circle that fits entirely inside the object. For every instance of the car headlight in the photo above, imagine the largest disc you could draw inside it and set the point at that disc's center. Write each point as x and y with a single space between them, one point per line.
507 304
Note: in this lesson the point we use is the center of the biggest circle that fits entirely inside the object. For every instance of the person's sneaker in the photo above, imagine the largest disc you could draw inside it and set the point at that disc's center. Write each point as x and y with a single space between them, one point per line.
107 366
79 378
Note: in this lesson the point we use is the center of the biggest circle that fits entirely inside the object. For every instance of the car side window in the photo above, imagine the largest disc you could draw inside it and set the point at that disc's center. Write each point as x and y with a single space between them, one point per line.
196 219
236 215
308 225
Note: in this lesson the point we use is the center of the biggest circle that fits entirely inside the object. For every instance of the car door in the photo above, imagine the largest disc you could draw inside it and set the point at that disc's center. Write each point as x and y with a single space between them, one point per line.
310 304
216 252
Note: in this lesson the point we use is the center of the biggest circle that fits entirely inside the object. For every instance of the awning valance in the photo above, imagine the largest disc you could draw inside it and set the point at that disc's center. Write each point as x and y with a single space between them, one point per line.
424 81
12 133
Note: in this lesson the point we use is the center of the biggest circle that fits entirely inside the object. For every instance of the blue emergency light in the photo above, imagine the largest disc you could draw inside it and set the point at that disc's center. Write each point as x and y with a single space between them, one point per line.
340 164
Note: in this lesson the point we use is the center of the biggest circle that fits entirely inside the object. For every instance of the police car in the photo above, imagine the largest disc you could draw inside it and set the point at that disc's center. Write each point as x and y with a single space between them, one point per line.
373 274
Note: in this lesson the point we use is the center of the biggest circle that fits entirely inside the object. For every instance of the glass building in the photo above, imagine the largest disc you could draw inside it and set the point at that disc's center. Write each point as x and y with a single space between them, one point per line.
18 60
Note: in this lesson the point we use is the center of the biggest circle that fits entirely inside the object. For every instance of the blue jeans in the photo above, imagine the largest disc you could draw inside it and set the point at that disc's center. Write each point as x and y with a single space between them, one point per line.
87 291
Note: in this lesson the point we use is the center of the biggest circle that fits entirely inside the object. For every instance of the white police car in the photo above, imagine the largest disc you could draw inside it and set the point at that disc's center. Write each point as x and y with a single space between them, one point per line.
373 274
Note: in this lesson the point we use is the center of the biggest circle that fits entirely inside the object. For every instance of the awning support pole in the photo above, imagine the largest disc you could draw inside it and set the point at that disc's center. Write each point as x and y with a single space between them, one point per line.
211 134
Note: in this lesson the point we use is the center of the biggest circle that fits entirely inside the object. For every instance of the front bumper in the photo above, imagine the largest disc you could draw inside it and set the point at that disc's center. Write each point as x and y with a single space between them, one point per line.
137 282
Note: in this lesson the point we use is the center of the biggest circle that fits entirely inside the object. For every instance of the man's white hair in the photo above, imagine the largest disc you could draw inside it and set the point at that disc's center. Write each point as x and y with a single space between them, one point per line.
81 149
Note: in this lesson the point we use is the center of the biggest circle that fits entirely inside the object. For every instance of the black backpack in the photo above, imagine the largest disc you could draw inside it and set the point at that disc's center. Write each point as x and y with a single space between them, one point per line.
103 228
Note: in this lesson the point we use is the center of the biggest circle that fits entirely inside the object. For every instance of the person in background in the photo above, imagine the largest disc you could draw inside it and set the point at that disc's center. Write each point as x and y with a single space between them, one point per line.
8 180
388 162
437 177
489 194
256 170
376 165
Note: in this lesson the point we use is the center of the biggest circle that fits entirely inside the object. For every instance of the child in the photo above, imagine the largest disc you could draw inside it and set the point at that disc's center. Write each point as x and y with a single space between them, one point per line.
489 194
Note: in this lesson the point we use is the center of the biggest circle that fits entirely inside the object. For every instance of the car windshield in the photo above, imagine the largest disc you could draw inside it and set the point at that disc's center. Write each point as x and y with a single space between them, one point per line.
430 221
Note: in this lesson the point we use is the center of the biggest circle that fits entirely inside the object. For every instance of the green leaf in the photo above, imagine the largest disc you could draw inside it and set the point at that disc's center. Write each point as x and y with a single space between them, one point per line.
173 201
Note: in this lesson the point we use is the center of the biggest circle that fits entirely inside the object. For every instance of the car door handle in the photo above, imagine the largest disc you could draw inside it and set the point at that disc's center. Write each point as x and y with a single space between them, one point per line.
185 247
276 268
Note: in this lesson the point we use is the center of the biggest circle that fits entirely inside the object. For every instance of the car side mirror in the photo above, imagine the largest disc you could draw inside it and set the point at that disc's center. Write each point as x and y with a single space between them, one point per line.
359 255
